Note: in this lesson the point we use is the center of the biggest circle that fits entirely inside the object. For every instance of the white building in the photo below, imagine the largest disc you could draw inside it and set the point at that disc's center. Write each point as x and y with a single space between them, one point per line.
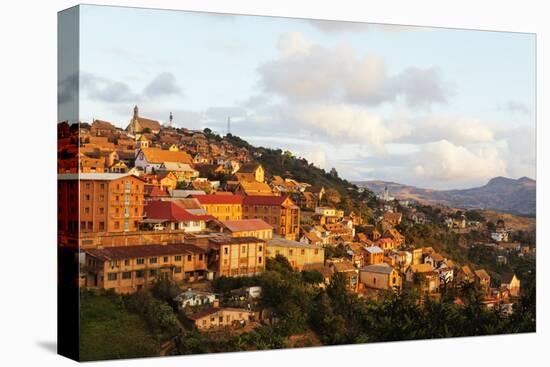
195 298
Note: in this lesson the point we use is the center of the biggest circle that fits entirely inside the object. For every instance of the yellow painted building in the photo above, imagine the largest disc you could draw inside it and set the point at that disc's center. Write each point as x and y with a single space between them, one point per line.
380 276
222 207
216 317
127 269
298 254
236 256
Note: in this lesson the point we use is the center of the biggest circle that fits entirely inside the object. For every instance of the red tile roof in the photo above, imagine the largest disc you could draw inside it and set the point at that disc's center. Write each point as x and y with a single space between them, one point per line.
130 252
219 199
156 191
264 200
168 210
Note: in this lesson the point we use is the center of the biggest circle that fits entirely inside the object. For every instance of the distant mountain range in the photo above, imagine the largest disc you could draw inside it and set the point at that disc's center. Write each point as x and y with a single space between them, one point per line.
500 193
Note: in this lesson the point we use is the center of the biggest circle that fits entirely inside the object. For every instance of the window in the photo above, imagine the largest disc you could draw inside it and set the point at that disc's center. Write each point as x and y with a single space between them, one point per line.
82 225
165 259
101 197
373 280
90 226
117 225
111 276
177 258
152 260
243 250
259 260
126 262
101 210
87 197
102 186
316 251
303 252
87 185
177 270
200 257
126 275
140 261
226 250
139 273
87 210
260 248
290 252
188 257
152 272
101 226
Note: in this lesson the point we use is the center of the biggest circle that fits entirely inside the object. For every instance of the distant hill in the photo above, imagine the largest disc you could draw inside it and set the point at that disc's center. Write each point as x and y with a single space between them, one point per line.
500 193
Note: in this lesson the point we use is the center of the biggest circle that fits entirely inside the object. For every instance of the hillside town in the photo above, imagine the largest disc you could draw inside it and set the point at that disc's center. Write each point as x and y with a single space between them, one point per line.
153 203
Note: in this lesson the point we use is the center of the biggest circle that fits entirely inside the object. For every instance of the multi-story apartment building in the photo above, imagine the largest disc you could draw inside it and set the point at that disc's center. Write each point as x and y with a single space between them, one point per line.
299 254
279 211
222 207
236 256
127 269
108 202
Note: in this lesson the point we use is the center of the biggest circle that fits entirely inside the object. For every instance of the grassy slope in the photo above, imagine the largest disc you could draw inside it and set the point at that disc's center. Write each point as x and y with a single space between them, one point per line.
108 331
512 221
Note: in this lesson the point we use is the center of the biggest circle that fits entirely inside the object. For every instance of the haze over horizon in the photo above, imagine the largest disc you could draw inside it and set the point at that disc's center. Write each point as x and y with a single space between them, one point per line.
433 107
430 188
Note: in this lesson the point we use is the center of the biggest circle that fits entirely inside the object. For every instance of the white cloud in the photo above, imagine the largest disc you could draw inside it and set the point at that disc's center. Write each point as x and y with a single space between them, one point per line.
305 71
454 129
345 124
444 161
293 43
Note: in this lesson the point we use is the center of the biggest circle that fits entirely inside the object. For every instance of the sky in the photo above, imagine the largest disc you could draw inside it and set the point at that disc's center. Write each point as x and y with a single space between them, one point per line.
432 107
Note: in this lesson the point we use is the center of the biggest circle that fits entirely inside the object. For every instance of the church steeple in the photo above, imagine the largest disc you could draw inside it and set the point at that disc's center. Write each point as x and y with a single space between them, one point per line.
136 112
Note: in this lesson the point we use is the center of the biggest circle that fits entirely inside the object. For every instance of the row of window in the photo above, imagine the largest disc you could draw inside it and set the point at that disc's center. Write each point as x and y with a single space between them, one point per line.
125 275
226 261
89 226
243 249
155 260
224 208
291 252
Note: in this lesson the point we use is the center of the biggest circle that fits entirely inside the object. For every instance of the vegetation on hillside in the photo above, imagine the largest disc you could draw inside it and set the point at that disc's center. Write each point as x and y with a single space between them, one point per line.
108 330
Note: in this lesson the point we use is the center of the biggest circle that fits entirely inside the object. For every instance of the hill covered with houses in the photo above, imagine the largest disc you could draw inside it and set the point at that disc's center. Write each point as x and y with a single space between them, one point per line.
218 245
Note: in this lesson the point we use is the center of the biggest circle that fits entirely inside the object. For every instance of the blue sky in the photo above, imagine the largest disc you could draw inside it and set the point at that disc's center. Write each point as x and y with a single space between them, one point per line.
438 108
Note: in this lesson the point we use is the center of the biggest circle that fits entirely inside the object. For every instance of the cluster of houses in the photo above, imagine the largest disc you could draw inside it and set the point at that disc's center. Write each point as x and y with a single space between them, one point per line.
145 203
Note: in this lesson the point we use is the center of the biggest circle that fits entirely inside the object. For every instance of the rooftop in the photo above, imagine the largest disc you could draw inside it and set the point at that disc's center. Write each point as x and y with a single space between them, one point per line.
378 268
282 242
129 252
234 240
245 225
